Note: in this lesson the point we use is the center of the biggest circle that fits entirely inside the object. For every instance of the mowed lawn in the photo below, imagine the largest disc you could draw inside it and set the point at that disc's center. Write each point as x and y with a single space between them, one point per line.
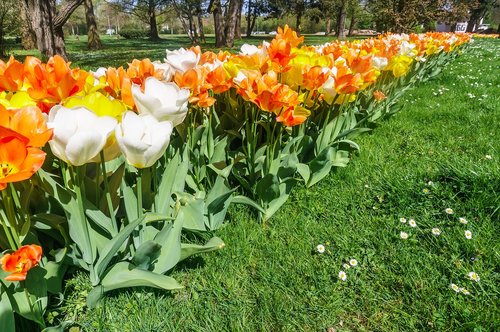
118 51
440 152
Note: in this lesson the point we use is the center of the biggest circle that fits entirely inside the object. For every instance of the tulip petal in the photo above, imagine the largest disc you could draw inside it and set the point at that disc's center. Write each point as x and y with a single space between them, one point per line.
84 146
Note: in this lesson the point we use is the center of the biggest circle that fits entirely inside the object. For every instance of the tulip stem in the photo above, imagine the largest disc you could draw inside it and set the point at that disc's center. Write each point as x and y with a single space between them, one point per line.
108 194
139 192
7 231
11 217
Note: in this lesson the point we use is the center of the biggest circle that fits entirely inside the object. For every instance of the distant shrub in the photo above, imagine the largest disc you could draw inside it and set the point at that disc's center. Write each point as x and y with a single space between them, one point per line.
133 33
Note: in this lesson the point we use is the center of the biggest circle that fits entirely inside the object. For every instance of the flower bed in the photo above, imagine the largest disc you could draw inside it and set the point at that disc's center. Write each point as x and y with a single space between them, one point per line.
140 155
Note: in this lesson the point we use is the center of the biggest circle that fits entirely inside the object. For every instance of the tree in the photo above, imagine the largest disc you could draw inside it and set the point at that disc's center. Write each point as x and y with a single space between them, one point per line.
148 11
341 17
94 41
46 23
225 25
479 12
8 21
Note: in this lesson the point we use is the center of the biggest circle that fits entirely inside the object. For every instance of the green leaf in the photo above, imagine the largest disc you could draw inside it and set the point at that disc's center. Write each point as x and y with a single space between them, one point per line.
285 188
54 276
78 229
59 328
173 180
146 254
187 250
170 239
247 201
321 165
217 202
268 188
304 171
192 209
111 248
130 201
125 275
7 323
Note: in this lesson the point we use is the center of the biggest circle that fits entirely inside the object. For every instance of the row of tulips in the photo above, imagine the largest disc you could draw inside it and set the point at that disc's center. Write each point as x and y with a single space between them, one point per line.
139 156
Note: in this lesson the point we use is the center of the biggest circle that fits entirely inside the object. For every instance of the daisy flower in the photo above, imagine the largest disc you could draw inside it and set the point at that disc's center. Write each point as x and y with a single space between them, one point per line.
474 276
488 157
448 210
468 234
353 262
403 220
455 288
412 223
462 220
425 190
346 266
436 231
464 291
342 275
403 235
320 248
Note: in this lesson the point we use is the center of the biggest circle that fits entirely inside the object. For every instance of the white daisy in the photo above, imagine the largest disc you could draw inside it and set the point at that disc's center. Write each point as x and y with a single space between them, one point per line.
403 235
488 157
455 288
474 276
346 266
412 223
448 211
468 234
403 220
342 275
320 248
436 231
464 291
353 262
463 220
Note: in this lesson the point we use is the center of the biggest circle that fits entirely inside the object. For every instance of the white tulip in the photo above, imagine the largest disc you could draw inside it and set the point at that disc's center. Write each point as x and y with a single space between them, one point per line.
142 138
379 62
182 59
79 134
164 101
168 71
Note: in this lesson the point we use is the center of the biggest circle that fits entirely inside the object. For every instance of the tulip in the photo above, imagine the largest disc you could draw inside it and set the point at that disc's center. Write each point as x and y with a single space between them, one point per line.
182 59
142 139
18 161
21 261
164 101
79 134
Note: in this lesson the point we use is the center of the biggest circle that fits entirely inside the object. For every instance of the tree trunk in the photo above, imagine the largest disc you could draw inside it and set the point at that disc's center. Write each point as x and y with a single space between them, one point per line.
153 28
237 27
351 26
200 25
28 35
341 20
94 41
328 24
249 19
47 24
231 19
216 9
299 11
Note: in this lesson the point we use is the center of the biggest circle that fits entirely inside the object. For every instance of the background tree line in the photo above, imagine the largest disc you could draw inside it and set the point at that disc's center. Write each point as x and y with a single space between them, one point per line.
41 24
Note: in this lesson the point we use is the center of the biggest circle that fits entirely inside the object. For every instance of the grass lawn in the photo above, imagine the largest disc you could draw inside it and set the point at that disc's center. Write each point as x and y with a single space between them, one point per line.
442 151
118 51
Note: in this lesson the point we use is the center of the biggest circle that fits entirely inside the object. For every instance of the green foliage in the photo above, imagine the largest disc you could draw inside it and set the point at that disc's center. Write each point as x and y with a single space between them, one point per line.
133 33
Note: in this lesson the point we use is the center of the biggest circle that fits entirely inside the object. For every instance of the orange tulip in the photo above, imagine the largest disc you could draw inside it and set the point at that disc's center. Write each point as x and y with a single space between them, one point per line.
11 74
18 161
379 95
29 122
21 261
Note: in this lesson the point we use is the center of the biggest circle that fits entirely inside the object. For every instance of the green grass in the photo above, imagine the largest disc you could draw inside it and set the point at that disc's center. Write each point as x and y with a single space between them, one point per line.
118 51
269 279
